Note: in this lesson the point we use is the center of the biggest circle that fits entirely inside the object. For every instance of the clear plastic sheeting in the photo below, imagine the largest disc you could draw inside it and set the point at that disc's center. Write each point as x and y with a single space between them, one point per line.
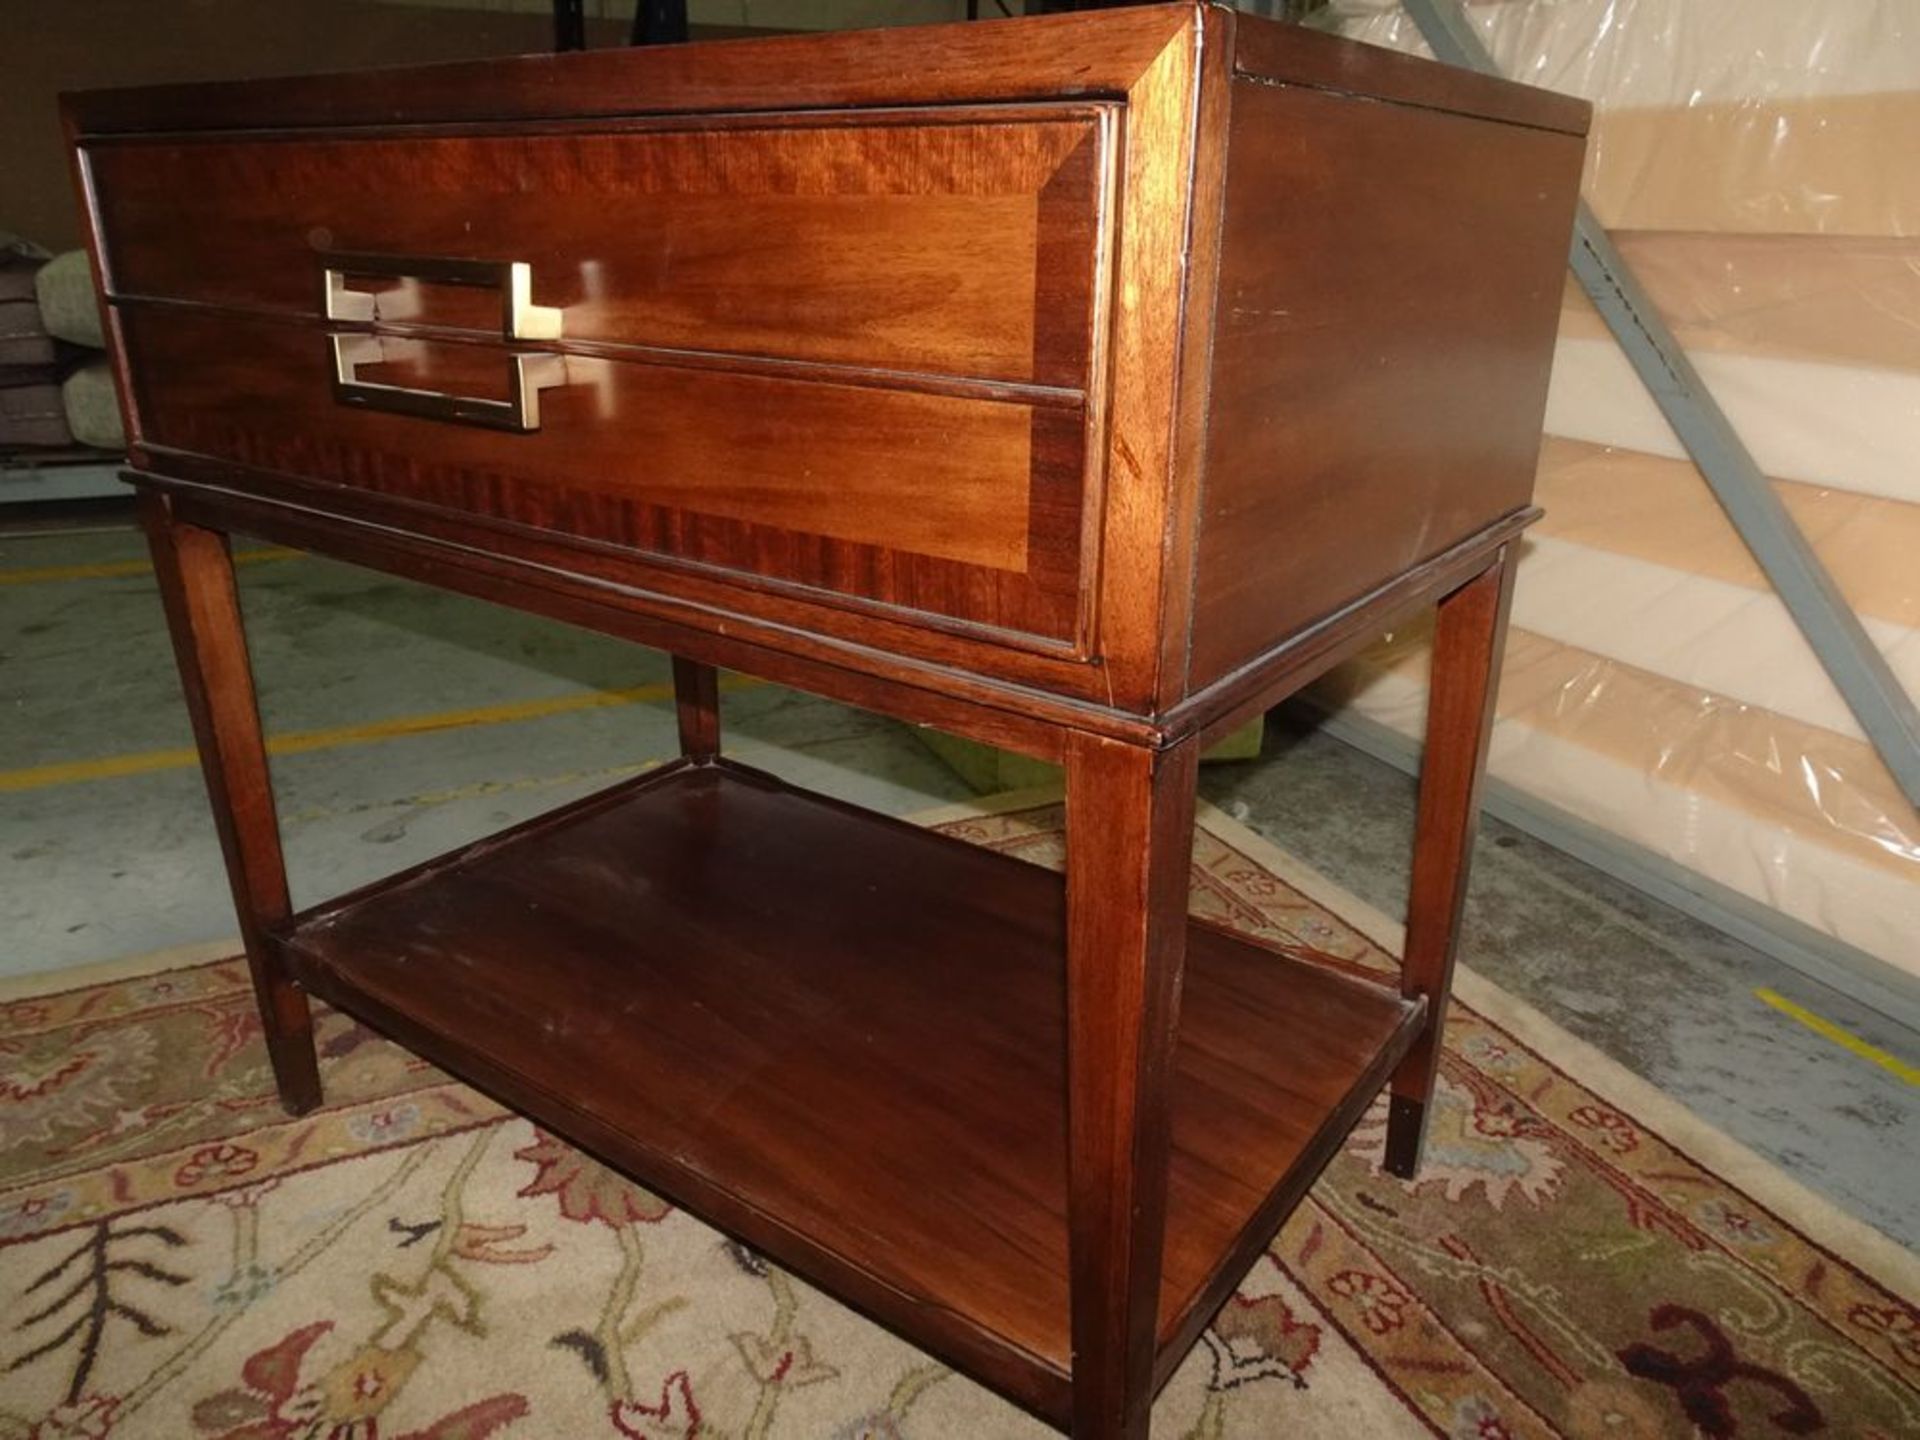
1756 161
1761 116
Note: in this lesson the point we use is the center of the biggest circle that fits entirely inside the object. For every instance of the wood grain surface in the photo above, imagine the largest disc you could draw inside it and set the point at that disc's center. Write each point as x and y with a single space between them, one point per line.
194 568
948 245
1087 55
966 507
1469 641
852 1049
1380 353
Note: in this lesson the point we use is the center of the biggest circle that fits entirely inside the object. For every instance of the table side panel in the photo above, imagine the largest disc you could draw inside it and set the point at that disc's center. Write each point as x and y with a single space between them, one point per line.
1381 350
1292 54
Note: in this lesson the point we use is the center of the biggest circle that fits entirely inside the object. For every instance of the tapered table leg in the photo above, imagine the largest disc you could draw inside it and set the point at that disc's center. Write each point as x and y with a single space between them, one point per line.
195 570
1468 637
696 698
1129 848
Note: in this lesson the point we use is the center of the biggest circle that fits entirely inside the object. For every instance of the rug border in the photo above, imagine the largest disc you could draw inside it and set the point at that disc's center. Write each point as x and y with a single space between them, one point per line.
41 984
1850 1238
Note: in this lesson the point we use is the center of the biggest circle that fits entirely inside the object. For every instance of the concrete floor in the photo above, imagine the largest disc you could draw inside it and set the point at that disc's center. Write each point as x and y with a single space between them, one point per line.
108 849
1668 997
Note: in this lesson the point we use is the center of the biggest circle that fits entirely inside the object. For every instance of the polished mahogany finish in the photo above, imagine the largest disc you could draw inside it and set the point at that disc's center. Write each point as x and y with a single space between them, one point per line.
1397 374
696 702
1055 264
1083 385
195 569
889 1108
951 243
956 505
1469 636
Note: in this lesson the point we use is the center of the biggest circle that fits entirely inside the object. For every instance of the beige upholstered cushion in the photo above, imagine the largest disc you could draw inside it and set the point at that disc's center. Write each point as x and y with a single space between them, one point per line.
93 411
67 307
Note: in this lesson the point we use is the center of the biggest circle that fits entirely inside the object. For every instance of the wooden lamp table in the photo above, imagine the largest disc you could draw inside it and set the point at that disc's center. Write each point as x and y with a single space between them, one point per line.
1083 385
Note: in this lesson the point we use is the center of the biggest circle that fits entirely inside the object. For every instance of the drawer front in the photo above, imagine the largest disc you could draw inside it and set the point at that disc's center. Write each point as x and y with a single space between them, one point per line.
950 246
955 506
845 357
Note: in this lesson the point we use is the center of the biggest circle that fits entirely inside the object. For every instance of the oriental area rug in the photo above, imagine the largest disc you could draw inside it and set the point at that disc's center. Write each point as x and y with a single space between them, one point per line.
1579 1257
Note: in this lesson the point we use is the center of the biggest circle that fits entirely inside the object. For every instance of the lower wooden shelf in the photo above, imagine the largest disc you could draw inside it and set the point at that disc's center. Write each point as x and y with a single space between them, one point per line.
841 1038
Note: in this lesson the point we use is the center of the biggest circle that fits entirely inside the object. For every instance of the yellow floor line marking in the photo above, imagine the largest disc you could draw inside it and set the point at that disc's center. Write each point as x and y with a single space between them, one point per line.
302 742
44 574
1845 1040
476 791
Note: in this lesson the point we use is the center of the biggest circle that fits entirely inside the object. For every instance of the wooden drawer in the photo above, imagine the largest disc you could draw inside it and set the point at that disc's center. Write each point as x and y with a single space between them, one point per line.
848 360
958 244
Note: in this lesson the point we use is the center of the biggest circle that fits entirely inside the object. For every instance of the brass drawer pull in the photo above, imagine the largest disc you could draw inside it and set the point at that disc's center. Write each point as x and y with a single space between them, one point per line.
527 375
520 319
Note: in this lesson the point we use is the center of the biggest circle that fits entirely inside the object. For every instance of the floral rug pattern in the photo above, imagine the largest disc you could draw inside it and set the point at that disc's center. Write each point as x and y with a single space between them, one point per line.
179 1259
